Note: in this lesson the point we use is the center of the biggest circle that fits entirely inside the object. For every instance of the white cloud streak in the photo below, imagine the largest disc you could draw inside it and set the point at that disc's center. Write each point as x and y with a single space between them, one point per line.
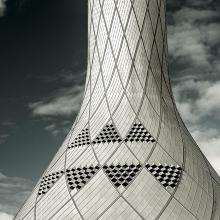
58 128
64 103
195 109
209 142
59 107
5 216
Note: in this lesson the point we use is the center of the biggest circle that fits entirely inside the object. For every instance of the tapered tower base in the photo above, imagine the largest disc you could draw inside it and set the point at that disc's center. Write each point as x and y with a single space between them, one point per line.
128 154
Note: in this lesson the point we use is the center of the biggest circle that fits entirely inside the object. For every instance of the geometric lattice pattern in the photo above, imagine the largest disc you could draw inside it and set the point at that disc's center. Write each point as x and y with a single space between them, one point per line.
78 177
122 175
139 133
128 88
81 140
107 135
167 175
48 181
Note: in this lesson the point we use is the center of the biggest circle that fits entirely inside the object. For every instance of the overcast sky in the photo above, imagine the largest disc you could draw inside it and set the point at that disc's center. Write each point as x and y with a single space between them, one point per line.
43 63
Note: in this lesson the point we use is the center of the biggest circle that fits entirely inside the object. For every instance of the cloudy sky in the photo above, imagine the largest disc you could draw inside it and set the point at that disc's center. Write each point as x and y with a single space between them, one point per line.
43 62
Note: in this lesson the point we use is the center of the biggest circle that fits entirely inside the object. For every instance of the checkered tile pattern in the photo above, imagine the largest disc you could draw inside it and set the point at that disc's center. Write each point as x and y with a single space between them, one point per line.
167 175
78 177
122 175
139 133
81 140
48 181
107 135
127 82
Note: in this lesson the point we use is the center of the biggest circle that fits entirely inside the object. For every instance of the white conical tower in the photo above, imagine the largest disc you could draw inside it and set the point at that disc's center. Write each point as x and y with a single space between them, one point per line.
128 154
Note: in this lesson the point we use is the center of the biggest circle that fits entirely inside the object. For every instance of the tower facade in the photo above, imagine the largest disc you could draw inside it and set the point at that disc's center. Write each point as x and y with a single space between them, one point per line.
128 155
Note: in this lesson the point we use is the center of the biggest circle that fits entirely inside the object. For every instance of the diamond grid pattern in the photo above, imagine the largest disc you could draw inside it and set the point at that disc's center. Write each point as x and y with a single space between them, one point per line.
165 174
122 175
127 38
81 140
48 181
139 133
78 177
107 135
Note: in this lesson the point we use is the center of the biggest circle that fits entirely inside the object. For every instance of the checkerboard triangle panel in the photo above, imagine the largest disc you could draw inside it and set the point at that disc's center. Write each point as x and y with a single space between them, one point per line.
78 177
122 175
139 133
167 175
81 140
48 181
107 135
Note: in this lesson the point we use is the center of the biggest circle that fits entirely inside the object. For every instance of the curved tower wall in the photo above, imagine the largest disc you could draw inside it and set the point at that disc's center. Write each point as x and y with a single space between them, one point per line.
128 154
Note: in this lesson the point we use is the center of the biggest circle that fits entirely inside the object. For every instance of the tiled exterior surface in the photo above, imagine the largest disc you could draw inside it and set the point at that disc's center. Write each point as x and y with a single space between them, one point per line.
128 154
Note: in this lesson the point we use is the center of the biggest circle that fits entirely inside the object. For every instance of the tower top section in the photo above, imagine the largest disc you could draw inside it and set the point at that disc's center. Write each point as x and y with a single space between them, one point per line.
126 36
127 54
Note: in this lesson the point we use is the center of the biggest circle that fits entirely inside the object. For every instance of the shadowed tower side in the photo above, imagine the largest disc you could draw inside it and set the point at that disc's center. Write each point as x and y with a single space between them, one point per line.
128 155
